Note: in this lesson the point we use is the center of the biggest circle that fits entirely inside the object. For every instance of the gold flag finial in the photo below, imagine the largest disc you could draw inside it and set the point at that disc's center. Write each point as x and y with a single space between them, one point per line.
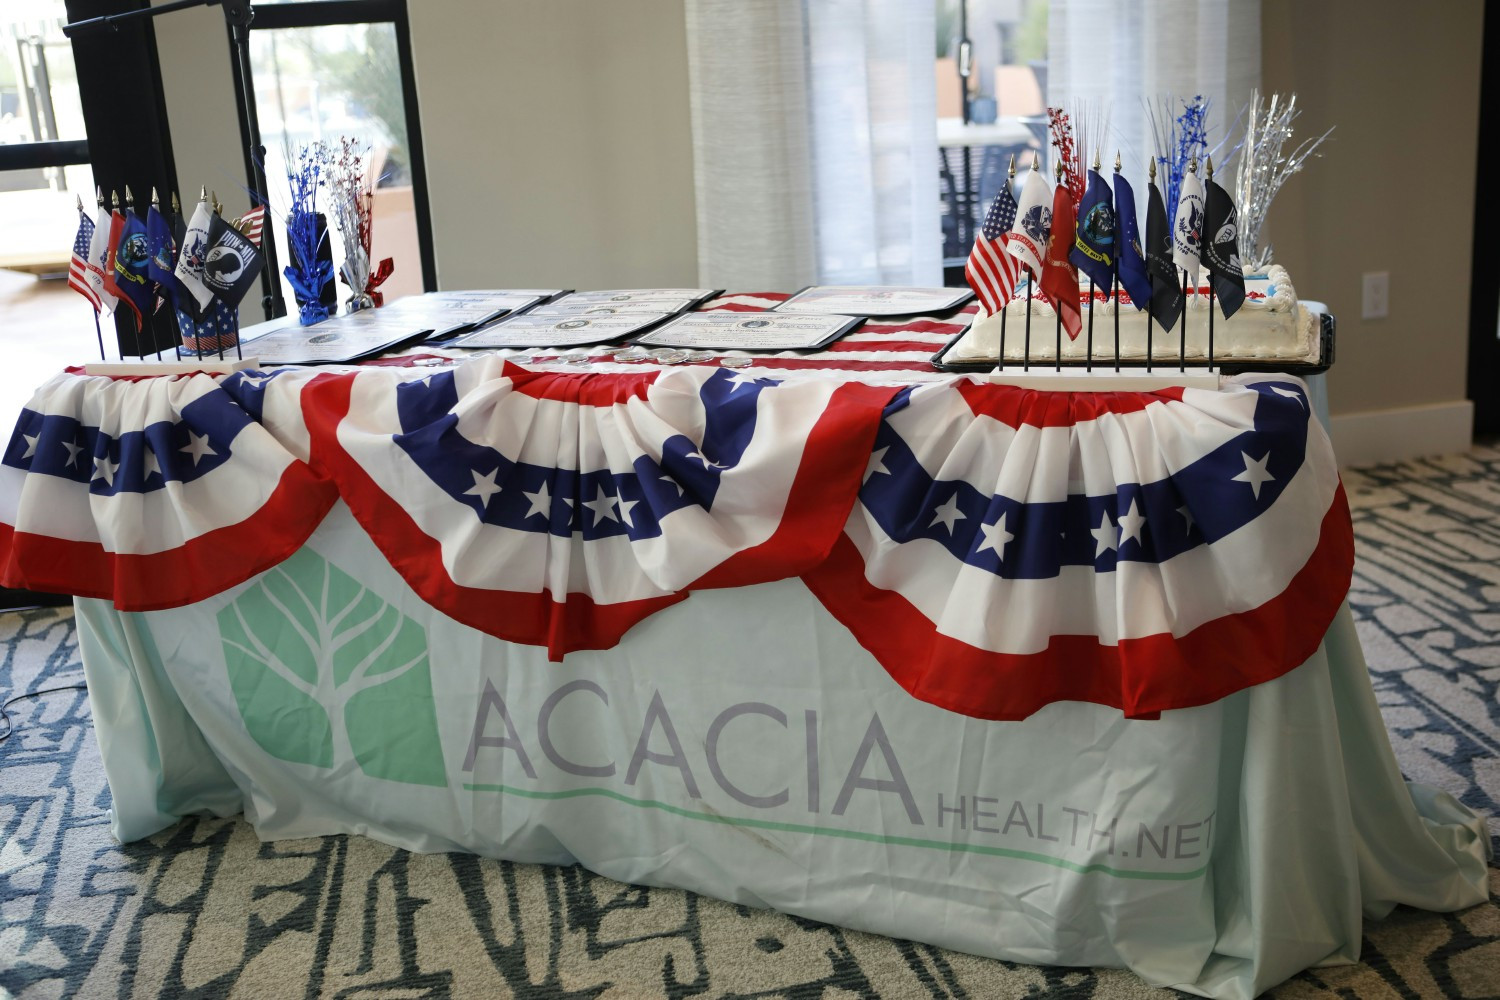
1193 165
99 193
155 199
1096 159
129 198
1057 170
114 197
1151 170
176 205
1117 161
203 193
1209 166
80 202
1012 171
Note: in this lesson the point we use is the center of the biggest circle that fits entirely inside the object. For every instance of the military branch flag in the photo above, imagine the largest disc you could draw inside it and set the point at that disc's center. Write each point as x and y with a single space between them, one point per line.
98 255
1028 235
231 263
111 262
991 271
1130 262
1221 248
1059 278
189 270
1187 226
78 263
131 255
161 249
1094 241
1166 287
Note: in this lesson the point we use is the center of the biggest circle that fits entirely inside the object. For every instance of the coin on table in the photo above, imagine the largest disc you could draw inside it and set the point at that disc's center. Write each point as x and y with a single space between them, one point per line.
669 356
632 353
736 362
698 357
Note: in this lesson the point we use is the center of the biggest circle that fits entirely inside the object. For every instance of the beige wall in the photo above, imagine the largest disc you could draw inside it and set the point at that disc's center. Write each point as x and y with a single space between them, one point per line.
1394 190
557 135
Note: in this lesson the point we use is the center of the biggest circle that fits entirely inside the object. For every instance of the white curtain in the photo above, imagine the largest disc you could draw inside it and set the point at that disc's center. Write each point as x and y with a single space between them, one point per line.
814 142
1119 55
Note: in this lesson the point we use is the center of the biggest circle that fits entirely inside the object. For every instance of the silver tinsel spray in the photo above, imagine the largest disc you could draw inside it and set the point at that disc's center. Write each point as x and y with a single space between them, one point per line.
1263 169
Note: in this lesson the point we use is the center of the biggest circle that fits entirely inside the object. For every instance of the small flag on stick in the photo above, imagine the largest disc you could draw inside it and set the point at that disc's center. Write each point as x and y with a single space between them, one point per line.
992 272
1221 253
78 263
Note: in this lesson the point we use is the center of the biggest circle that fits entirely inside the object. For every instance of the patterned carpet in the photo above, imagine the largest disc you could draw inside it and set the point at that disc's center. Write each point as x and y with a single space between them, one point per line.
204 910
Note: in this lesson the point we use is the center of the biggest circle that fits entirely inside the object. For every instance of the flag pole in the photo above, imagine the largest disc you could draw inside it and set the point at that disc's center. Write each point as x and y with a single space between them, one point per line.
1026 353
1088 364
1182 341
1114 292
1209 166
1010 179
1115 295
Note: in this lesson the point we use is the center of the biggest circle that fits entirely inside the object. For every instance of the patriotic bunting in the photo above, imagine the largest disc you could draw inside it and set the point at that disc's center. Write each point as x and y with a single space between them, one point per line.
943 523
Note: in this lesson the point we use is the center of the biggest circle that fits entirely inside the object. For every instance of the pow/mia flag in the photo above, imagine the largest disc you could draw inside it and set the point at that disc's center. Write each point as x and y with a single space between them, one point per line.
231 263
1221 250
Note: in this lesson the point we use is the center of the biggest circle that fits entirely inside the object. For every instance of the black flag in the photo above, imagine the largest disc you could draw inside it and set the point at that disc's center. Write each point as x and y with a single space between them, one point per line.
231 264
1166 286
1221 248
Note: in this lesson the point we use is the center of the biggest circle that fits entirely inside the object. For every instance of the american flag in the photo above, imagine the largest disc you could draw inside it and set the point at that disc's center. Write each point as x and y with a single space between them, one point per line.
252 222
991 271
78 264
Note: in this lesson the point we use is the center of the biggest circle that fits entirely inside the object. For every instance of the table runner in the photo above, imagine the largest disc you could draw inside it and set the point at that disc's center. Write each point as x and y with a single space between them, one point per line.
997 549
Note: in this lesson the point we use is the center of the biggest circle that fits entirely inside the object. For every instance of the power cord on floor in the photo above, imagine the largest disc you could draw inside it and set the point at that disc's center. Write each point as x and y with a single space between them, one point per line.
5 716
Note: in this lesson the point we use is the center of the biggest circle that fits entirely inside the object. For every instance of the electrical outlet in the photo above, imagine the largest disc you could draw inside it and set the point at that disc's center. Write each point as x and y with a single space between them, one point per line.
1377 295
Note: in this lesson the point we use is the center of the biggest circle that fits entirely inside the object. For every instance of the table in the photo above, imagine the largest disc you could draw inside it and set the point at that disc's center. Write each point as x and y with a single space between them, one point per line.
965 193
1058 678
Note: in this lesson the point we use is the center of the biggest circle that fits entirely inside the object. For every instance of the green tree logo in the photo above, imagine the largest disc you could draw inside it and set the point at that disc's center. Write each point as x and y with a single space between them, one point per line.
308 635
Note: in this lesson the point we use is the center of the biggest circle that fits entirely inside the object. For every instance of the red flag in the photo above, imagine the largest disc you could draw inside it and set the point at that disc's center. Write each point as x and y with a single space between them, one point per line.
1059 276
116 227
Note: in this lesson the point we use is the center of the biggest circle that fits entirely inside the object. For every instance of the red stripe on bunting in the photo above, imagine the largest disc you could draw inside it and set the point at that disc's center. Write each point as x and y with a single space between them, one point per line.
817 507
885 343
583 388
194 571
1014 406
1142 677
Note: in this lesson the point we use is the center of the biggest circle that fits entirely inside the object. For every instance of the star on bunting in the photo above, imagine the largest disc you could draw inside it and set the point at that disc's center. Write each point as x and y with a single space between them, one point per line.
1255 472
103 467
540 502
1106 536
30 444
73 450
1187 516
947 514
741 378
674 482
151 465
603 507
708 463
995 537
1131 524
877 464
484 487
197 446
1290 394
625 506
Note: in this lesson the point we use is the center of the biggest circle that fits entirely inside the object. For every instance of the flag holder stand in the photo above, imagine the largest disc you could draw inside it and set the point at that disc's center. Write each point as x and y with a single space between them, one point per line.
188 365
1078 379
237 15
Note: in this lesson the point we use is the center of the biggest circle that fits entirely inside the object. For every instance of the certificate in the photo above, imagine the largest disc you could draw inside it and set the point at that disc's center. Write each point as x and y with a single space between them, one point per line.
571 305
694 296
450 312
750 331
345 338
874 300
531 330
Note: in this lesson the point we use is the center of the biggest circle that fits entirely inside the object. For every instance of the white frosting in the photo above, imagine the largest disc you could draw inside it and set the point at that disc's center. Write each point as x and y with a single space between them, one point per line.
1270 326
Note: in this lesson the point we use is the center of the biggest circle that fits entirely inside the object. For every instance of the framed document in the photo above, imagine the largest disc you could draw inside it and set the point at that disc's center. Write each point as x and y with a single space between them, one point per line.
694 296
738 331
452 312
334 341
874 300
532 330
570 305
